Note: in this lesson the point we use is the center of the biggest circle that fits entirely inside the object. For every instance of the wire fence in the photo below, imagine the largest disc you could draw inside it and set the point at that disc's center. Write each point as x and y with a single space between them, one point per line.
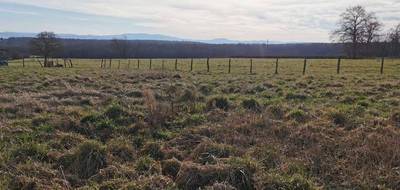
228 65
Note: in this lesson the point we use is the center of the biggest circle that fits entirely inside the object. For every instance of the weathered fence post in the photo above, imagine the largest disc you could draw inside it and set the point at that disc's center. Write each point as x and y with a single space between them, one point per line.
208 64
338 65
382 62
150 64
101 63
110 64
70 62
305 66
138 64
251 66
276 66
176 64
23 62
119 64
65 63
191 64
229 65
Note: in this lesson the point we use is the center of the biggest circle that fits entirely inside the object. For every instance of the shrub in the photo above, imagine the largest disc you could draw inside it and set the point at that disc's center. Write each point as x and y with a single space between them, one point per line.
251 104
218 102
153 150
88 159
298 115
170 167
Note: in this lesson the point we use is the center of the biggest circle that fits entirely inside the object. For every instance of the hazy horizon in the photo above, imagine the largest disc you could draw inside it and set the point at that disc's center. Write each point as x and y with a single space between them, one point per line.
284 20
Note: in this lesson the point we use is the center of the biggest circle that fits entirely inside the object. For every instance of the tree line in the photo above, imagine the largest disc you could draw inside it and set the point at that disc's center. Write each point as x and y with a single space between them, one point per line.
359 34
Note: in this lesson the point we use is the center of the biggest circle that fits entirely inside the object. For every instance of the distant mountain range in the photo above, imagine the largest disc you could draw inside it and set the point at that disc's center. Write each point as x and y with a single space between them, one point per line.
137 36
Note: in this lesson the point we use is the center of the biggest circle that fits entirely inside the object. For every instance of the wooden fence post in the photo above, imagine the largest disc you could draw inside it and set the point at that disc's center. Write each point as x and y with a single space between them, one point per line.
276 66
382 62
229 65
119 64
70 62
101 63
208 64
150 64
110 64
65 63
251 66
305 66
191 64
176 64
338 65
138 64
23 62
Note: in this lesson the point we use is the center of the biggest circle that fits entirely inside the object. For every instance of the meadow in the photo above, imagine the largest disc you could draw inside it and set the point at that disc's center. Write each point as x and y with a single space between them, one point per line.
122 127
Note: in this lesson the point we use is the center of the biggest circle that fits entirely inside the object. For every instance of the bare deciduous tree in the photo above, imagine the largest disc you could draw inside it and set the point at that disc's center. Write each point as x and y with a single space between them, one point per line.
357 27
45 44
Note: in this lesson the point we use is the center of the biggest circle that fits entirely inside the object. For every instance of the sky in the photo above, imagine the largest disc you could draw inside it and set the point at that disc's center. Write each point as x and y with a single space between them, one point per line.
275 20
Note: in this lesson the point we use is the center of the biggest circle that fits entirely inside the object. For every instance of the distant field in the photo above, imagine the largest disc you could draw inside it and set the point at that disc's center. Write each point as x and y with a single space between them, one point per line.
239 66
91 128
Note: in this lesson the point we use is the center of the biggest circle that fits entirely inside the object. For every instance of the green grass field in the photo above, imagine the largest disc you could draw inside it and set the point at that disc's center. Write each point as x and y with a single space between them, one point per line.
91 128
238 65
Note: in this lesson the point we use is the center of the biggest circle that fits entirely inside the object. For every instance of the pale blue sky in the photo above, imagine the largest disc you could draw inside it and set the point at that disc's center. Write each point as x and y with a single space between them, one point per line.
279 20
